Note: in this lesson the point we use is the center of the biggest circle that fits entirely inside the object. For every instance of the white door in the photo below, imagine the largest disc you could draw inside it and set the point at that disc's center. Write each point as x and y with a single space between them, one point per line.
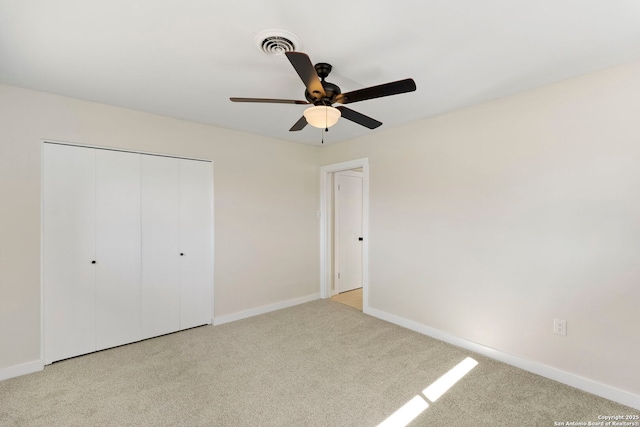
196 243
128 247
69 251
160 308
117 248
348 230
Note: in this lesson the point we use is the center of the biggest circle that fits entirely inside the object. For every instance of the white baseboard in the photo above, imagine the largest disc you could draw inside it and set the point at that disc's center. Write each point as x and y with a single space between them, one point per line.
264 309
576 381
23 369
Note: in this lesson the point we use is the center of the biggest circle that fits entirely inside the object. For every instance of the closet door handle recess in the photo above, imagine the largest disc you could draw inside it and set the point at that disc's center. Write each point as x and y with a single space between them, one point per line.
93 262
181 254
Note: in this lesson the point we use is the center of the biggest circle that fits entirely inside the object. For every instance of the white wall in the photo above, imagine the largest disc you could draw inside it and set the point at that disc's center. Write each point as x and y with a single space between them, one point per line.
489 222
266 198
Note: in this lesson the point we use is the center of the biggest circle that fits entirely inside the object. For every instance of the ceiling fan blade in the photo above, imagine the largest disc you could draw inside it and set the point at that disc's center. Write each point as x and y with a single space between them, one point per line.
359 118
387 89
270 101
299 125
307 73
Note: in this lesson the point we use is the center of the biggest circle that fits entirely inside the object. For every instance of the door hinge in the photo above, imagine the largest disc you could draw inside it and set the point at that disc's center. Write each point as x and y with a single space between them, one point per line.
338 187
338 275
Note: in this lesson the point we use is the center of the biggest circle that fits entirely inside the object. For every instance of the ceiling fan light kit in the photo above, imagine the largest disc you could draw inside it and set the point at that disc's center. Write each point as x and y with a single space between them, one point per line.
323 94
322 116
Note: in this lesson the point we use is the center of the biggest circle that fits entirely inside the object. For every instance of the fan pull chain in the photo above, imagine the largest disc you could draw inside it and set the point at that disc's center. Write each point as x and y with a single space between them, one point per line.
326 119
326 128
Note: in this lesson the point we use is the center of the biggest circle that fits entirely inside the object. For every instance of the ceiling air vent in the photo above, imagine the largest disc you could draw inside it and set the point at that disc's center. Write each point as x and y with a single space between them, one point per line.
276 42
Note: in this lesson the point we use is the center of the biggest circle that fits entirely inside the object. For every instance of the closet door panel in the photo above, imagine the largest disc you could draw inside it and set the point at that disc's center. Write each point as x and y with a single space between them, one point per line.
160 306
196 234
68 250
117 248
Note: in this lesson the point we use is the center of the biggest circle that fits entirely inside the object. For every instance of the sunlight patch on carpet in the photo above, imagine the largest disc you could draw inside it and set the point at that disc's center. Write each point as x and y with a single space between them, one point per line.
410 410
406 414
445 382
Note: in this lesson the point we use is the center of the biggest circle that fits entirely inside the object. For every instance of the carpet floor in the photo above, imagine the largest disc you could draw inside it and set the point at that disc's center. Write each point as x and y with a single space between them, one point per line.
316 364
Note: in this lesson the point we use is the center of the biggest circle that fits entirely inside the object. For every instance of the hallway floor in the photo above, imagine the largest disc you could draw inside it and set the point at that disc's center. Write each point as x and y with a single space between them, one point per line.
351 298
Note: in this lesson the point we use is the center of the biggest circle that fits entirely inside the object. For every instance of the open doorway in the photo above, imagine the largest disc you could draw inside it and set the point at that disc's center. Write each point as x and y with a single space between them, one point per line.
344 233
348 239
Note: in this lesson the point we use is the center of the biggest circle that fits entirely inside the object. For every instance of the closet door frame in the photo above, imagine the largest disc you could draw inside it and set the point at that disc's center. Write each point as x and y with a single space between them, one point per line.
102 147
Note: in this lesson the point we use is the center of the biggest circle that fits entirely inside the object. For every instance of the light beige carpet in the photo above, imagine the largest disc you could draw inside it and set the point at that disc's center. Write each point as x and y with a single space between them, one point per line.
317 364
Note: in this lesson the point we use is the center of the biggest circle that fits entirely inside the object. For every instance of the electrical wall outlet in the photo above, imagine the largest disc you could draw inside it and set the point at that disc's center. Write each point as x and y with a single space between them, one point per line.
560 326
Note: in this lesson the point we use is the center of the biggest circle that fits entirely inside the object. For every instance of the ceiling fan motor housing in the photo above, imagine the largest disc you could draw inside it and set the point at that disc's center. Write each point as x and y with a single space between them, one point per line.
332 90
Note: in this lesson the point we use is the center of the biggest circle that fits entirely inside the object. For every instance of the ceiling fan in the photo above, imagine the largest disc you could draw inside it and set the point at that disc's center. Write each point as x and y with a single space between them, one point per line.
323 95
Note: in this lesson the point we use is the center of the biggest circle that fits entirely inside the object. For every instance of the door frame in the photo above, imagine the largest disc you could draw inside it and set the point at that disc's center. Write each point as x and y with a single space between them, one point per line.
326 238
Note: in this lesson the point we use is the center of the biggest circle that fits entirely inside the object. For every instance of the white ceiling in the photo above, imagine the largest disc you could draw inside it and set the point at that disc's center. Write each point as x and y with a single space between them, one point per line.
185 58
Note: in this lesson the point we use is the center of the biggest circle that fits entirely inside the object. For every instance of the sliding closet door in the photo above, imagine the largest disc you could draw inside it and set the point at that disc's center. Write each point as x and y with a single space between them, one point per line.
69 250
196 244
117 248
160 245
